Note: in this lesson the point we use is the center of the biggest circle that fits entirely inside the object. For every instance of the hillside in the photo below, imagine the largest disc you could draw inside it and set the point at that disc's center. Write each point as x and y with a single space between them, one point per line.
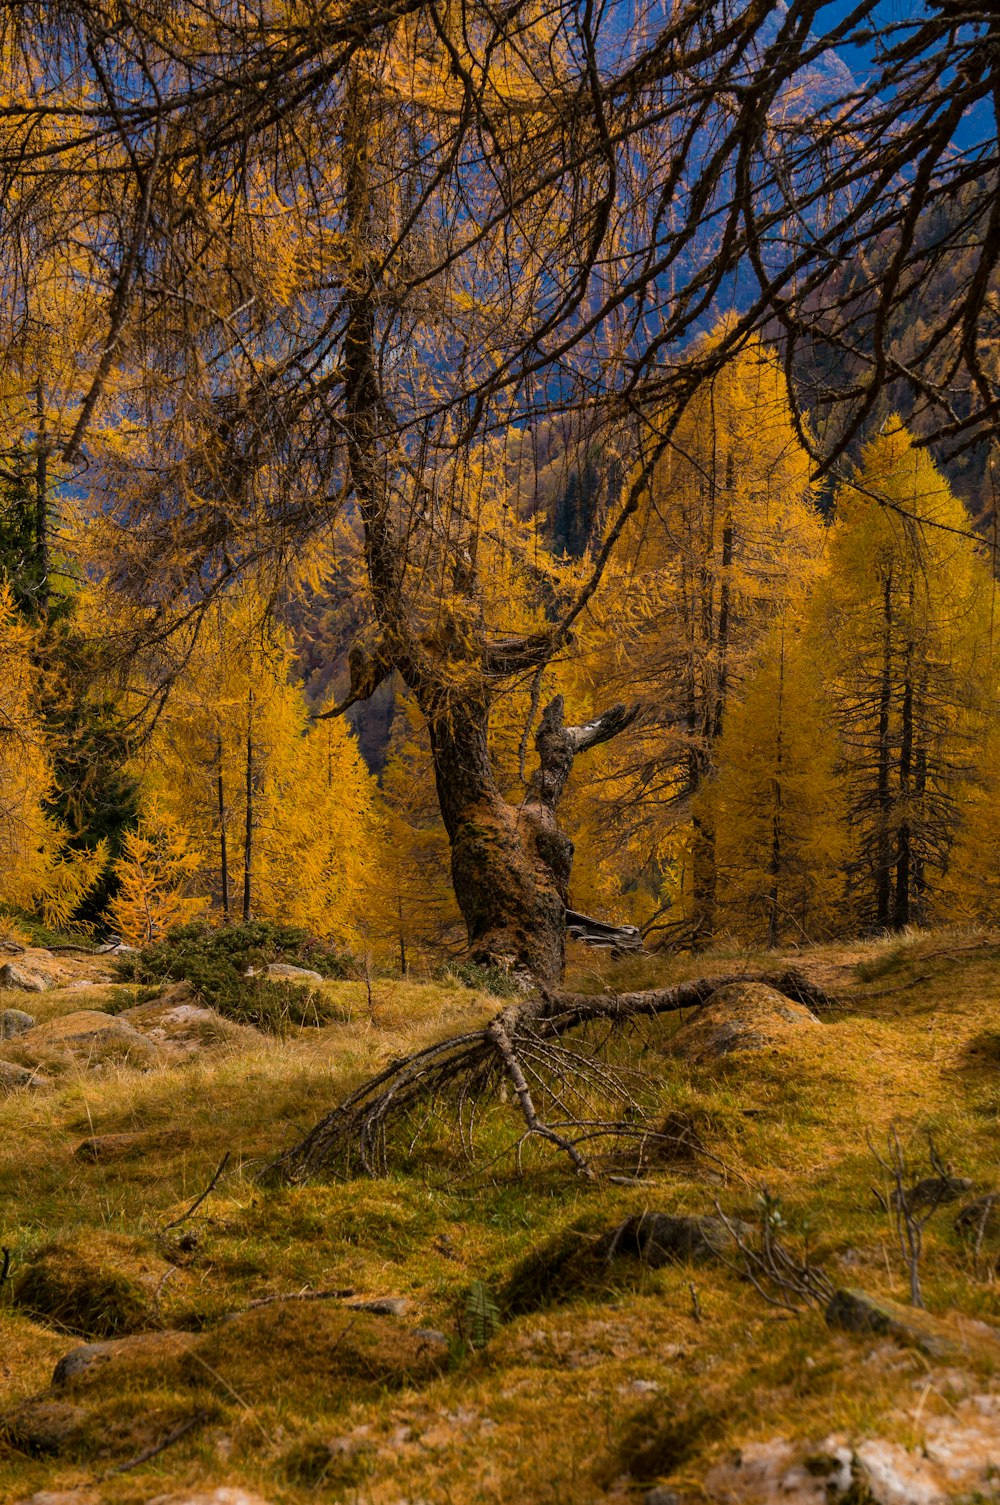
509 1354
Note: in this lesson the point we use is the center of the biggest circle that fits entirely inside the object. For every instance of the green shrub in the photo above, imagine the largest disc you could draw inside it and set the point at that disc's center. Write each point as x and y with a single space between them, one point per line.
217 961
493 980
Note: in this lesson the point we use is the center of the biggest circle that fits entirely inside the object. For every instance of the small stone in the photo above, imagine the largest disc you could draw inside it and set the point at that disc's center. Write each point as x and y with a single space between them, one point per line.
24 978
660 1238
44 1426
14 1022
661 1495
431 1335
948 1339
285 971
980 1219
933 1191
12 1077
63 1497
142 1349
226 1494
382 1306
121 1146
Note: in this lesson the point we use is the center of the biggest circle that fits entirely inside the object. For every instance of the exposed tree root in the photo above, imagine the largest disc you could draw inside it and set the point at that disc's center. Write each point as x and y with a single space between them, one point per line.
523 1047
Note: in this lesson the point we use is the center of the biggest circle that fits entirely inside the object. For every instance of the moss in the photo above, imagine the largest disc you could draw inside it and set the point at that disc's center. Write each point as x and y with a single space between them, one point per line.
81 1287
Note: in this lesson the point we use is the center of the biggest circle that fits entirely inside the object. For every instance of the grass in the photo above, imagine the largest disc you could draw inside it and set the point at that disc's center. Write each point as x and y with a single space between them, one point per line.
552 1406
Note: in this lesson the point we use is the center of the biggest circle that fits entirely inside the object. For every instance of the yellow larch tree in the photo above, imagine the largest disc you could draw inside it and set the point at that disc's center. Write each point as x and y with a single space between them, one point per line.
282 810
727 531
903 620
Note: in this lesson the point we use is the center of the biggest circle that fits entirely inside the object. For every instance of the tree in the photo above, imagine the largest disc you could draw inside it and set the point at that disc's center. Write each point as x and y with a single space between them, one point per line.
281 811
38 868
155 873
776 803
464 217
903 616
726 532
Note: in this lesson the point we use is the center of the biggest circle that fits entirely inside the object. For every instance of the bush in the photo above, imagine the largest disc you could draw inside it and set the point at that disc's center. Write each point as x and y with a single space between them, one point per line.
493 980
216 962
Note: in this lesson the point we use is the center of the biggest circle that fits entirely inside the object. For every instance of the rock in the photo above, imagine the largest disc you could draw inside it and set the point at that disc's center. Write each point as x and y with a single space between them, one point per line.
661 1495
119 1354
980 1219
44 1426
660 1238
63 1497
934 1191
14 1022
283 970
123 1146
431 1335
24 978
88 1038
304 1343
13 1076
179 1025
383 1306
226 1494
742 1016
951 1339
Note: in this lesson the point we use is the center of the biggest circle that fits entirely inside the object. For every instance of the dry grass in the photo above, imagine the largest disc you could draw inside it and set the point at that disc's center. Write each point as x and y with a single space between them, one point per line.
557 1405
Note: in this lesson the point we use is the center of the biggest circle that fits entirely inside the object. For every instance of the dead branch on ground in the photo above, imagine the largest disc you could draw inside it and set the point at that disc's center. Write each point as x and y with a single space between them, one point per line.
523 1047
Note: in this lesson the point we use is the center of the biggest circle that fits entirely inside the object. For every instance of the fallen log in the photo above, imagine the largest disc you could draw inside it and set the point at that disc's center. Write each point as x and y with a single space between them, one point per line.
523 1046
618 939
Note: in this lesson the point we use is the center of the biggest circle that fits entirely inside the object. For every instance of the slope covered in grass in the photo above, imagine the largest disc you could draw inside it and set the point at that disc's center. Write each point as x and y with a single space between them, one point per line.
598 1382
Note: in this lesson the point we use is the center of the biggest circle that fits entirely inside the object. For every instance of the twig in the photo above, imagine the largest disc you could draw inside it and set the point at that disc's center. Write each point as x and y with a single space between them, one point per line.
338 1295
153 1451
198 1200
696 1311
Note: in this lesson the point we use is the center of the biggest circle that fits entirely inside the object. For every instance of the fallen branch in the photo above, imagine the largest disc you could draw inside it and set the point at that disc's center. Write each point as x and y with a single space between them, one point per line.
182 1430
518 1046
198 1200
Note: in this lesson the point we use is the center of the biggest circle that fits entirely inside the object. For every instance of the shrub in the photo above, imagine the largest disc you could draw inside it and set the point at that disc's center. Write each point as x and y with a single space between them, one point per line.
216 962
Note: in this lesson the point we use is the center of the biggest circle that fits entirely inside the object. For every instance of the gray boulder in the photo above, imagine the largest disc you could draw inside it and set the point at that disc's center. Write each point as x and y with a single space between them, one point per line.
25 979
14 1022
284 971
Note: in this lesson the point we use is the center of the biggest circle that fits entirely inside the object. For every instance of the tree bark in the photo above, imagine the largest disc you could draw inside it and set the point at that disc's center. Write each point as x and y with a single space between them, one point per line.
511 864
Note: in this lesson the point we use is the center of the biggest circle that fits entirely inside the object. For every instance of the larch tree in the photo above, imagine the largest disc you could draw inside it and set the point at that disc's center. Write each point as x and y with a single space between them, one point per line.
281 809
726 532
902 618
776 802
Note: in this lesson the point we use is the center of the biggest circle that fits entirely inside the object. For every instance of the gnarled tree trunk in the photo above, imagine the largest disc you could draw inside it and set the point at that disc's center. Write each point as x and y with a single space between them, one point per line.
511 864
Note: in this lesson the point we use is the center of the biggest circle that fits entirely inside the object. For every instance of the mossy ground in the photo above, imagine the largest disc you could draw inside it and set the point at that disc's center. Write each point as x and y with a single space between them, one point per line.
559 1405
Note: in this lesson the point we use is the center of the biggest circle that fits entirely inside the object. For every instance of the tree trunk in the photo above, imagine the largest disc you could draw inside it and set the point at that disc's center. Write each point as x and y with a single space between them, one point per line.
883 849
511 864
248 833
41 520
901 908
223 849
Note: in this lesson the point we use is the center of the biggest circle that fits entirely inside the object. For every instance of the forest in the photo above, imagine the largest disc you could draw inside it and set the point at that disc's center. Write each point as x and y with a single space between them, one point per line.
499 752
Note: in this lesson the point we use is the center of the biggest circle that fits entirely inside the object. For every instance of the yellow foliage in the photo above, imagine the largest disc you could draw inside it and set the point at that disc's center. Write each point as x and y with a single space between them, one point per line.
155 873
282 812
38 869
